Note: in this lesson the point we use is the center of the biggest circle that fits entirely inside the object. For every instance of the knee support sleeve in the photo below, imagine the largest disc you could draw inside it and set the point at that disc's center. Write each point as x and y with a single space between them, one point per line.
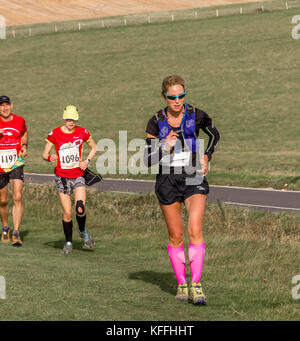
80 208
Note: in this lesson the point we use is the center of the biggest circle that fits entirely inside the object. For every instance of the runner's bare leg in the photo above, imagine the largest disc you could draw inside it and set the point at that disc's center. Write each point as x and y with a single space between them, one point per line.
18 208
4 205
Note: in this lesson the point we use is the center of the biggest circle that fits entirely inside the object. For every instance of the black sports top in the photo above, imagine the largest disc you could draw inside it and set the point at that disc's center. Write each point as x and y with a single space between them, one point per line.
202 121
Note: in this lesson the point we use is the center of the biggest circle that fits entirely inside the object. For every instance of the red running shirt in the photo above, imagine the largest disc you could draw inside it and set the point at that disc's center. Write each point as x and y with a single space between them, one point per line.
69 150
10 142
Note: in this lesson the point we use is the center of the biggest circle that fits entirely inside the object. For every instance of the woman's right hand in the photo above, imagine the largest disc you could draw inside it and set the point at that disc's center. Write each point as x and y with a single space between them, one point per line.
171 140
53 158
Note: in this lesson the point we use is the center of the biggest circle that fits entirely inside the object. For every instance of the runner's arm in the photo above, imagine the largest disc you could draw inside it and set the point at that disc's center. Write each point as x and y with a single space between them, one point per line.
46 153
214 138
24 143
153 155
204 122
91 143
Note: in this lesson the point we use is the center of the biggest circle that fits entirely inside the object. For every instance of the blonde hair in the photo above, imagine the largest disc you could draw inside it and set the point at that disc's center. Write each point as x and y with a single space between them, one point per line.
170 81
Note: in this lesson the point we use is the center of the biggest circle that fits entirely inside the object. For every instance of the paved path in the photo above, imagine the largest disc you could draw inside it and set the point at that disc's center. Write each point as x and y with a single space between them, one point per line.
271 200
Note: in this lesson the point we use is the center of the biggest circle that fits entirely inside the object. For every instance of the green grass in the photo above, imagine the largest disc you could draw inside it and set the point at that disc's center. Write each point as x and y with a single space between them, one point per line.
251 257
240 69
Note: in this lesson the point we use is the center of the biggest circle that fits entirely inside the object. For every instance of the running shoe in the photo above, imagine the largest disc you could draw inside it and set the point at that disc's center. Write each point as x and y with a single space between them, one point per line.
182 292
5 238
87 239
196 294
67 248
16 240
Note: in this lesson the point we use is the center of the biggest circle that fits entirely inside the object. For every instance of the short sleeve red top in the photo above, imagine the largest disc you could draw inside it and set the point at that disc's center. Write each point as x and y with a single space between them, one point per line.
10 141
69 150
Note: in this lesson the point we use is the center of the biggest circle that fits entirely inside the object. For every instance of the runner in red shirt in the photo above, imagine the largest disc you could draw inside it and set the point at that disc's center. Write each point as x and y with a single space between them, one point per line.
13 147
69 172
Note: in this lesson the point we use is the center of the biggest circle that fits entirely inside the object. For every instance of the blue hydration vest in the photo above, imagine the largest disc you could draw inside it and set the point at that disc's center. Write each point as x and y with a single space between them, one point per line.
188 126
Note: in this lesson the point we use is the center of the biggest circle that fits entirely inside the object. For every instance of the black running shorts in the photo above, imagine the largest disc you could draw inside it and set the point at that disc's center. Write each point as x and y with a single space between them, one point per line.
17 173
170 188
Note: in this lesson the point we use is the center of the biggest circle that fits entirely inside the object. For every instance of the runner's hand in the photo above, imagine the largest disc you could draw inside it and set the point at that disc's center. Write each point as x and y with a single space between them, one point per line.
83 164
204 162
24 150
53 158
171 140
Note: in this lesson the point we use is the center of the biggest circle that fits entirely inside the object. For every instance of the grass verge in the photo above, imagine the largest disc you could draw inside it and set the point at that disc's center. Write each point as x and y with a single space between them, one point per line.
251 257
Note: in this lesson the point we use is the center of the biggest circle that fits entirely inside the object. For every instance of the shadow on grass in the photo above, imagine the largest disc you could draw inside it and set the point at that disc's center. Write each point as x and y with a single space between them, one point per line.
23 234
164 280
76 245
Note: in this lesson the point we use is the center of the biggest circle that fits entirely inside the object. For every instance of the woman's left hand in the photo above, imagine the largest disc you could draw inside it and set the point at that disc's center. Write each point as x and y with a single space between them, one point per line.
204 162
83 164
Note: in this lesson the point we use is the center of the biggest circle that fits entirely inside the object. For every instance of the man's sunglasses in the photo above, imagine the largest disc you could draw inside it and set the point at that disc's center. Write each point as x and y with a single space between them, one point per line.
173 97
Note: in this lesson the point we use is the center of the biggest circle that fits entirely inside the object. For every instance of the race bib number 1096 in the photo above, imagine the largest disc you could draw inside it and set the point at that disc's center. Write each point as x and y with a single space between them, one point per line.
69 158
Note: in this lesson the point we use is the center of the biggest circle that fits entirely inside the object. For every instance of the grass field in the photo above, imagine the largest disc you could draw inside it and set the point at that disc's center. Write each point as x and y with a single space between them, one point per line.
240 69
250 260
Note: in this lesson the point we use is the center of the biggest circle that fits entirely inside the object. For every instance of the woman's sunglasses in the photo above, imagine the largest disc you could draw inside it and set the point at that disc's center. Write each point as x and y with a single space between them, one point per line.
173 97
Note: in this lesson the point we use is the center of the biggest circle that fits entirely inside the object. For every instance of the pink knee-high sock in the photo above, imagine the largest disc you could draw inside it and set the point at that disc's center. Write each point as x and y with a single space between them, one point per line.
177 258
196 257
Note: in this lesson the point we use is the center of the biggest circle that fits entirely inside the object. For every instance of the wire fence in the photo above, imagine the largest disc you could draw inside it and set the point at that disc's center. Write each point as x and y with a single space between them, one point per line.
150 18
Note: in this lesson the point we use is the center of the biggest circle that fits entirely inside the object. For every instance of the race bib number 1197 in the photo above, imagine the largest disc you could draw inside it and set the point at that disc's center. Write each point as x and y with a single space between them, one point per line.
8 158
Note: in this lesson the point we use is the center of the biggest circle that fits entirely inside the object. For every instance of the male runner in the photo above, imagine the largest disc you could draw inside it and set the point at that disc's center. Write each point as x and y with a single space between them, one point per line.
13 148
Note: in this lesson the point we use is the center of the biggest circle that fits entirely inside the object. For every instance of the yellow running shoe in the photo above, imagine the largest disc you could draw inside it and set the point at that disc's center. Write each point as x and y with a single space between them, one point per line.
196 294
16 240
5 237
182 292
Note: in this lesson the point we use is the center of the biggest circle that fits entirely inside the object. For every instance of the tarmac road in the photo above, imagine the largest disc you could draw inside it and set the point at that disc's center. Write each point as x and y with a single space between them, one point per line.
263 199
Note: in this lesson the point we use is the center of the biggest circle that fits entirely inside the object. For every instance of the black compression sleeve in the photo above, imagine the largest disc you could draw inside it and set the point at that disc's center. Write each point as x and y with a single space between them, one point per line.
204 122
214 138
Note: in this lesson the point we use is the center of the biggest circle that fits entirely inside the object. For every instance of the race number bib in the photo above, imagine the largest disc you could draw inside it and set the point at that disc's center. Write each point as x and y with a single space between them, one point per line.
8 158
69 158
181 159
